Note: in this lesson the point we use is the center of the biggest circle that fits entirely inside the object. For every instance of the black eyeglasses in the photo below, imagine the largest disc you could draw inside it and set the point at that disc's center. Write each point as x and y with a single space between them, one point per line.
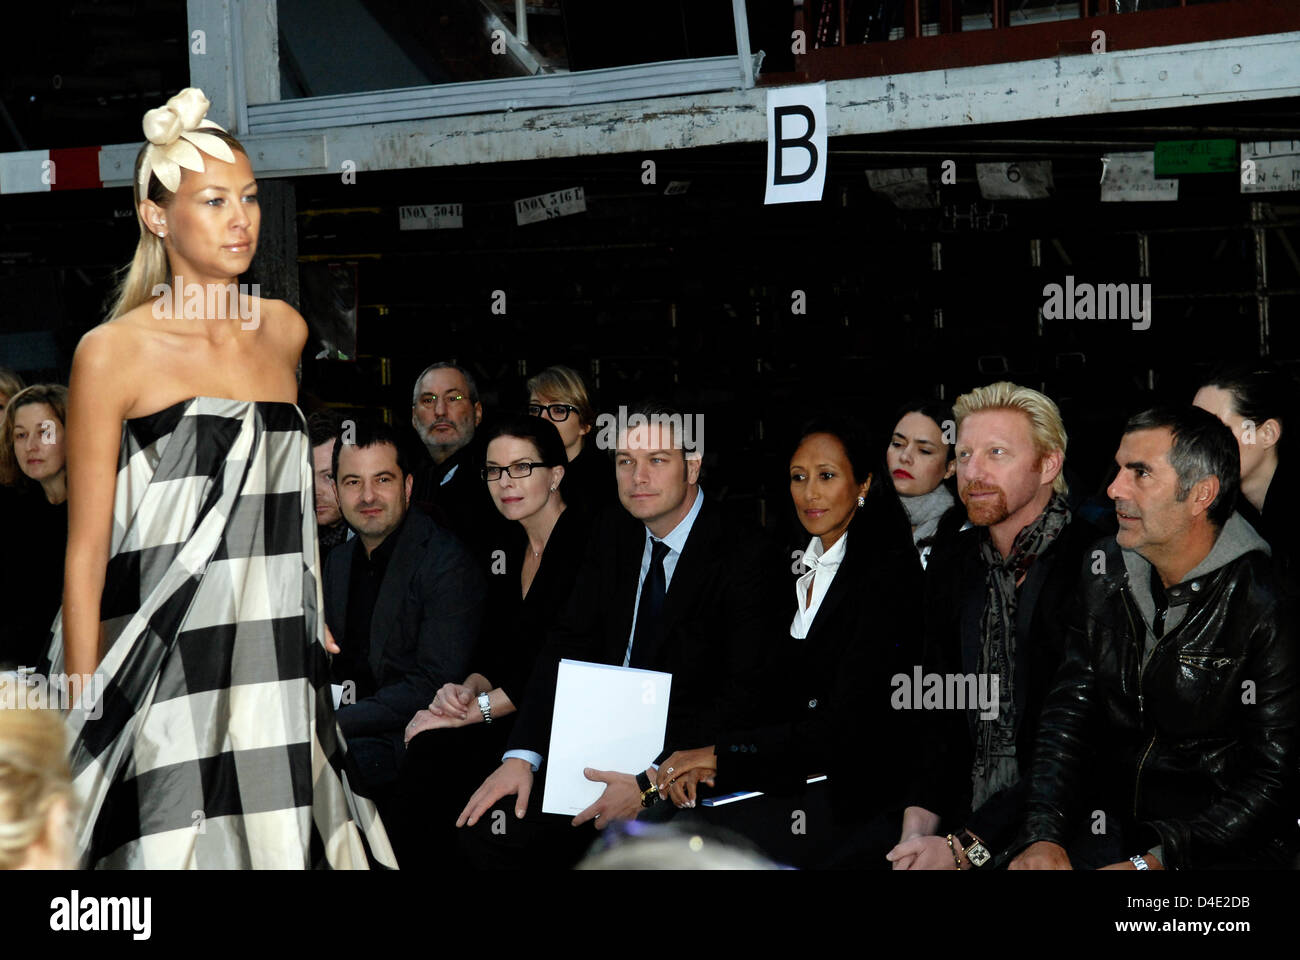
516 470
559 412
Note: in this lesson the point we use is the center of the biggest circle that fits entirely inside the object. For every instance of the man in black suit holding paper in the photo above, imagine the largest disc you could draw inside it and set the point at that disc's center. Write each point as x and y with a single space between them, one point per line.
666 585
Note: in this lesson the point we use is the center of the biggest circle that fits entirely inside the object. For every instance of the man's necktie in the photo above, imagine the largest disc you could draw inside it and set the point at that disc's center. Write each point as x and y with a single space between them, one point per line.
650 610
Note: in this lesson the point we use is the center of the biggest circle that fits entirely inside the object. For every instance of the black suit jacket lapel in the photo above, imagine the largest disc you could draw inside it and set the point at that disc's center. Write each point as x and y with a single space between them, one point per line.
691 568
338 578
841 587
401 565
626 578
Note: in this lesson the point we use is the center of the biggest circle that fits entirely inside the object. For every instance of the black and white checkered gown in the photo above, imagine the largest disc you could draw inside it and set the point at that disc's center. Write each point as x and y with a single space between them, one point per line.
217 746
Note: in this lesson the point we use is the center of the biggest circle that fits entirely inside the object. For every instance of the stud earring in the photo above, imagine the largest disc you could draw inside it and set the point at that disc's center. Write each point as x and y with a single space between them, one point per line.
862 502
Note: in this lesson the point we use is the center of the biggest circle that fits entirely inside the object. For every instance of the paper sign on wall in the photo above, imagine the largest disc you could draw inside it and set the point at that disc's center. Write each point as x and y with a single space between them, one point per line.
548 206
1270 166
431 216
796 143
1132 177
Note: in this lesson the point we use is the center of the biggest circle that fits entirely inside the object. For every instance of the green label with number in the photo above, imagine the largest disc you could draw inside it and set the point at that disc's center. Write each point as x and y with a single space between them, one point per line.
1174 157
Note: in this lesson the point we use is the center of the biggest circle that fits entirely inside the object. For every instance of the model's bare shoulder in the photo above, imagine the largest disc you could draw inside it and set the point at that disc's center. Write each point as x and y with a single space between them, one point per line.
104 363
284 324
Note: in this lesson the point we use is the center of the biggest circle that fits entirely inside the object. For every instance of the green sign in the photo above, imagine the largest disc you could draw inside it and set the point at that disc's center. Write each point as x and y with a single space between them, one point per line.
1174 157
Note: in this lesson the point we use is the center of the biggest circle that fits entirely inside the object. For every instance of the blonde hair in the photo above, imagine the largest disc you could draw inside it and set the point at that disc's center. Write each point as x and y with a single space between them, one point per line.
149 266
1044 417
55 395
564 384
10 382
34 773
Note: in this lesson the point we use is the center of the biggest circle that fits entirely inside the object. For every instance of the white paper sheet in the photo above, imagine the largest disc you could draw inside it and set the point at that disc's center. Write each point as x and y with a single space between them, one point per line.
606 718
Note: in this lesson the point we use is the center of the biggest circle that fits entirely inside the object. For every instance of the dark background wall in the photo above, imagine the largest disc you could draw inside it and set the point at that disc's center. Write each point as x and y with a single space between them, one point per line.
690 295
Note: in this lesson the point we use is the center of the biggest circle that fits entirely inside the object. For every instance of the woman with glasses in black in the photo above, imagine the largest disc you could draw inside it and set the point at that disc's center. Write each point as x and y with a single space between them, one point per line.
461 735
559 394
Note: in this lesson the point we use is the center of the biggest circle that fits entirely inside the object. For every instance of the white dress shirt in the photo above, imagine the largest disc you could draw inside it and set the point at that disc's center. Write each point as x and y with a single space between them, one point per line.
822 565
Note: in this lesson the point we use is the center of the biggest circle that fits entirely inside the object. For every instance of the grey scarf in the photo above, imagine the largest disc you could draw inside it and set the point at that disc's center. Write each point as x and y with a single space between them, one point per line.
925 510
995 759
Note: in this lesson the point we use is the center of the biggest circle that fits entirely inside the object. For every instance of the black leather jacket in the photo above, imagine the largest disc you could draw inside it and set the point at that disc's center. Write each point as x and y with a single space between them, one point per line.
1195 751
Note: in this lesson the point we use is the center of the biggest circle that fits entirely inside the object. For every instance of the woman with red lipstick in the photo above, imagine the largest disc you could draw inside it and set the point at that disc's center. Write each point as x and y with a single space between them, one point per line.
921 466
207 736
828 688
464 731
35 508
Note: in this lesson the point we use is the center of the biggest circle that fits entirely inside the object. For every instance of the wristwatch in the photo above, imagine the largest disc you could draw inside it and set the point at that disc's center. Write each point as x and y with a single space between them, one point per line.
649 791
1140 862
976 853
485 705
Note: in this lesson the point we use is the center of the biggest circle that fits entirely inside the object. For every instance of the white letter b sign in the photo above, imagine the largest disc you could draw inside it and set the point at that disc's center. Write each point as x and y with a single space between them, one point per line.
796 143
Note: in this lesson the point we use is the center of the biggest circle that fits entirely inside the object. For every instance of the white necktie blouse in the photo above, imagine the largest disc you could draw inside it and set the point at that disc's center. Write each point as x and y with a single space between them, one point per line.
822 566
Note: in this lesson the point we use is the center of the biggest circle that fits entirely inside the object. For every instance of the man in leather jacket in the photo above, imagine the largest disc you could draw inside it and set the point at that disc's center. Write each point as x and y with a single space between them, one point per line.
1178 695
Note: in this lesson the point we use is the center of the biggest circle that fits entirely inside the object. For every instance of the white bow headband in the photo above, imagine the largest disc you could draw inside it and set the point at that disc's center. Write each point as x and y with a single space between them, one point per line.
175 140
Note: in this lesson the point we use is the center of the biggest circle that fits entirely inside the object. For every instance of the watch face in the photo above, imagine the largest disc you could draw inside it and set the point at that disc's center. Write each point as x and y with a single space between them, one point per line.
978 855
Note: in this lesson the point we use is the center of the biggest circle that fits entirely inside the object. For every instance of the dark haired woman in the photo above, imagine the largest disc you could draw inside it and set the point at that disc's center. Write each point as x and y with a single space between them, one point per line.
462 734
921 465
192 590
828 689
1256 402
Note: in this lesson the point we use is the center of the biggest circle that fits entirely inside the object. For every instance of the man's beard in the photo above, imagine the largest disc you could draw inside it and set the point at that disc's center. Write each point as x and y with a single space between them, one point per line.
433 441
985 513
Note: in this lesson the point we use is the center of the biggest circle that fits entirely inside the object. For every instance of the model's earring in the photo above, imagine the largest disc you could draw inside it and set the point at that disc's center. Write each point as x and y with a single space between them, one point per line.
862 502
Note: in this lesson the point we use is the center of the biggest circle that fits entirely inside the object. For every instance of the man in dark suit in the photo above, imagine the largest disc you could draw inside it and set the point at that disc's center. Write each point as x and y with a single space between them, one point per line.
666 585
403 601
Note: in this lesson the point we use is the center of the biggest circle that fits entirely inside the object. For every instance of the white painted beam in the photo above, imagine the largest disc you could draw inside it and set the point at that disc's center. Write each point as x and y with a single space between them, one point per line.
1236 70
212 57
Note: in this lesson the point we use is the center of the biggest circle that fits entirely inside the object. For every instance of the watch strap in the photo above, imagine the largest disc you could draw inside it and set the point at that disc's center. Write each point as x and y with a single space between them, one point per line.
649 791
976 853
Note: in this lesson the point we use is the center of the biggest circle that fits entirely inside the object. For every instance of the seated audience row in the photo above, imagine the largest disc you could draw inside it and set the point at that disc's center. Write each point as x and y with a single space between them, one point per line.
920 680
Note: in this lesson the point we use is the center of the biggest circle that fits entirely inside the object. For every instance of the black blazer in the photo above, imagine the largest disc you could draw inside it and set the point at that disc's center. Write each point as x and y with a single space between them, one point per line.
1279 524
463 504
425 623
31 588
514 627
827 697
954 605
715 620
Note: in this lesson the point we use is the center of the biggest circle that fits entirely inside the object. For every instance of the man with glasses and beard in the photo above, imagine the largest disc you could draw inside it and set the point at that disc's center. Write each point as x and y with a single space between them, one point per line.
995 598
446 412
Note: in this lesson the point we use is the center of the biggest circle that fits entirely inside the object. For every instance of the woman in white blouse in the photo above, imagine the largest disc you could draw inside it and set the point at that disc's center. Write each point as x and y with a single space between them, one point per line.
826 699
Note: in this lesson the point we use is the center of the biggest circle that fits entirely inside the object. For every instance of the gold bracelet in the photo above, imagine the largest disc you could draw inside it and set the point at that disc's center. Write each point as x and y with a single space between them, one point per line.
953 850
